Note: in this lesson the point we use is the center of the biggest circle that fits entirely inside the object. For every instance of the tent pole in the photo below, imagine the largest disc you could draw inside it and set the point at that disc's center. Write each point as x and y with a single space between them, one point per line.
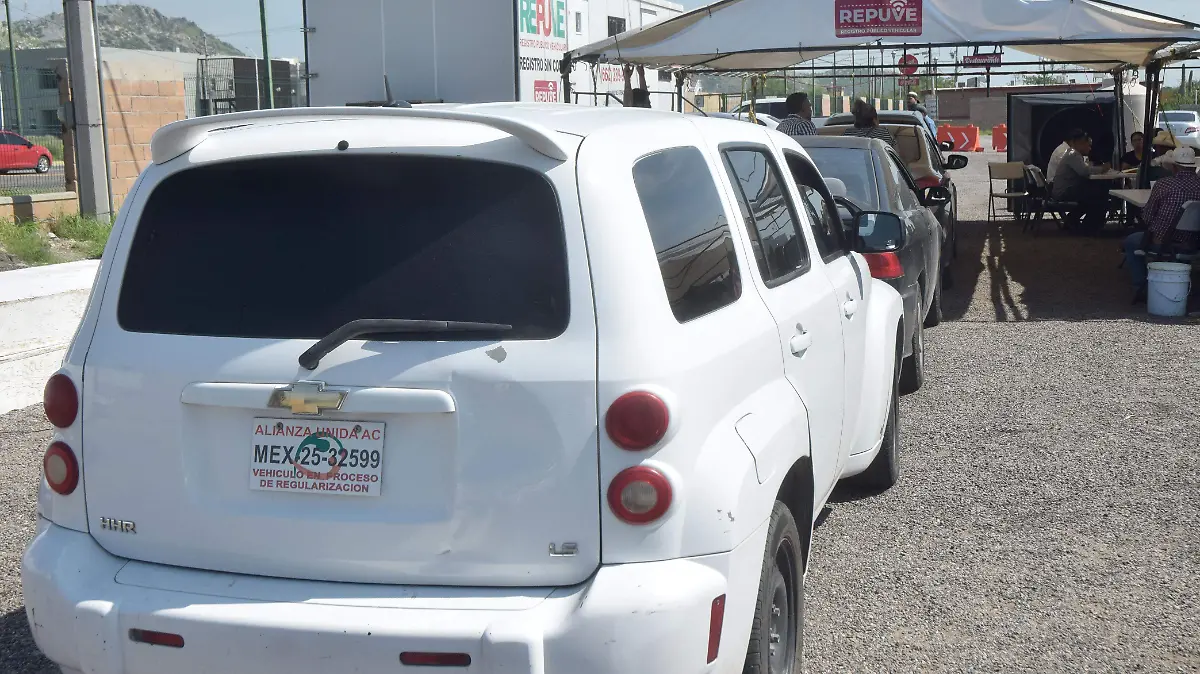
1119 85
565 70
679 89
1153 73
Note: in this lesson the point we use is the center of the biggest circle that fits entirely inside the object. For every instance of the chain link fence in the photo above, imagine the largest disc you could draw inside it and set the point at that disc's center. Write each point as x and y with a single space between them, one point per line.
31 133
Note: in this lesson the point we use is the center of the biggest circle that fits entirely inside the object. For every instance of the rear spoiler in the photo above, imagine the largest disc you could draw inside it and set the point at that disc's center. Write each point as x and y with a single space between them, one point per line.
178 138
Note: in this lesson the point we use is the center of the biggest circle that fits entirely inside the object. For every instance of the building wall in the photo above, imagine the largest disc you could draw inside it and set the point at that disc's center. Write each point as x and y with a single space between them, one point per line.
135 109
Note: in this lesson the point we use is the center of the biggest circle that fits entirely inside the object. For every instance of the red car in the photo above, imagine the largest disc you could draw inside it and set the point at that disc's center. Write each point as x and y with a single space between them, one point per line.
16 152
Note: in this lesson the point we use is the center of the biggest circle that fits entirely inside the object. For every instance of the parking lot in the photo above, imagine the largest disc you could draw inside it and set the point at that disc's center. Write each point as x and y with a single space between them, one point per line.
1047 516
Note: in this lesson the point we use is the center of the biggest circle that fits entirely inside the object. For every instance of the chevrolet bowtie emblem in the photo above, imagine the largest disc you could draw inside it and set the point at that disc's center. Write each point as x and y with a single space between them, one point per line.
308 398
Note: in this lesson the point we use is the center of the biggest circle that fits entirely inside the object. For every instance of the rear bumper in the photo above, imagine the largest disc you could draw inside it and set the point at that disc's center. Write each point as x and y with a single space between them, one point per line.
81 603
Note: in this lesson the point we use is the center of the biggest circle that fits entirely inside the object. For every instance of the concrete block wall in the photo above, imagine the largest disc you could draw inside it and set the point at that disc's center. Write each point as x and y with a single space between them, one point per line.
135 109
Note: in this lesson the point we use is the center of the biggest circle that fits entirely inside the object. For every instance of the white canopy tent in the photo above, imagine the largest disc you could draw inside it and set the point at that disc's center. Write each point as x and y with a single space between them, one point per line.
759 35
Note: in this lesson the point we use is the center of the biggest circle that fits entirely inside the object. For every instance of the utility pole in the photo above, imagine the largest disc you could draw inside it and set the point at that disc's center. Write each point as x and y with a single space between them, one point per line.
12 61
86 111
262 17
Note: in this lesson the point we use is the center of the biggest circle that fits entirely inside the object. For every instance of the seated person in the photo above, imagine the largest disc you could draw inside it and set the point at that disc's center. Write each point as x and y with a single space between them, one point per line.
866 124
1060 152
1163 210
1073 183
1133 158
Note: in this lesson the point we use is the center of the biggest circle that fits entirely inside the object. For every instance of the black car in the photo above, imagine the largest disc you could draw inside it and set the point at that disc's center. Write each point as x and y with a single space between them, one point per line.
899 234
922 153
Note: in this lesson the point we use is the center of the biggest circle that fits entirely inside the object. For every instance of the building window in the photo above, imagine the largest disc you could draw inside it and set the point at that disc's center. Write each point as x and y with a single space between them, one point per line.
579 23
48 119
616 26
47 79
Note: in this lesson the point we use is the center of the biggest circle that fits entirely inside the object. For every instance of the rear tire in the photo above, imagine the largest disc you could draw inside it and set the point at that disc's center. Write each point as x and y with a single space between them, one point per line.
934 317
884 471
777 634
912 373
43 164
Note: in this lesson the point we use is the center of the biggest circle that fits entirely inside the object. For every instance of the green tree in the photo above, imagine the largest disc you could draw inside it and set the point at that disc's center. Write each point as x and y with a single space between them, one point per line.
1043 79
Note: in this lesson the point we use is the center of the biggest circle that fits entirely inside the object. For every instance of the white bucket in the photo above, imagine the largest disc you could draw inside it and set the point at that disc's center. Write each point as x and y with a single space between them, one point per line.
1169 285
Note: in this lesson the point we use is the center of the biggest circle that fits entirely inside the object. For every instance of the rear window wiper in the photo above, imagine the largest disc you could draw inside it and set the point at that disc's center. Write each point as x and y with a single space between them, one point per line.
375 326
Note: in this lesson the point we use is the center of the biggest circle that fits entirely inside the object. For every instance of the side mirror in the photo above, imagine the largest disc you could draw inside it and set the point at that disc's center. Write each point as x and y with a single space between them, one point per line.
879 232
956 161
946 145
936 197
28 143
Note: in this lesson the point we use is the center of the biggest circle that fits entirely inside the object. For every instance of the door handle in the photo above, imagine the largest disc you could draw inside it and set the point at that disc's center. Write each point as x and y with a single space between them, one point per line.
801 343
850 307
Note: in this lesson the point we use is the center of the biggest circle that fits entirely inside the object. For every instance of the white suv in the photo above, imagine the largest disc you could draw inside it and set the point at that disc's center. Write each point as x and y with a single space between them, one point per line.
520 388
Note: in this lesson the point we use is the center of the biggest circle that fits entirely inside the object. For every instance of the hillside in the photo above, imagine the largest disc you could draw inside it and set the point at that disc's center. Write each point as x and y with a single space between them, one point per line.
125 27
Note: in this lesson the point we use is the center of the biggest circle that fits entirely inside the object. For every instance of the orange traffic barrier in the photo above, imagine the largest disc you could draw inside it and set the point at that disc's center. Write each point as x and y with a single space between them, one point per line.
964 138
1000 138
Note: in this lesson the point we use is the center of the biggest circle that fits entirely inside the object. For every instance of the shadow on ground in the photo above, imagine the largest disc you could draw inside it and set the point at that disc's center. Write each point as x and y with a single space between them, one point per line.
1005 274
18 655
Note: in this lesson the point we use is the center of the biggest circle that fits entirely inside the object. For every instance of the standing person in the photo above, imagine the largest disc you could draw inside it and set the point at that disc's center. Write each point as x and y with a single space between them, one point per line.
866 125
1133 158
1163 208
639 97
799 120
914 105
1073 182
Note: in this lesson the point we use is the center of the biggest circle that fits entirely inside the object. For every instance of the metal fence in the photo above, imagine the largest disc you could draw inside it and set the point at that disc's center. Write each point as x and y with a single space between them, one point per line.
31 143
223 84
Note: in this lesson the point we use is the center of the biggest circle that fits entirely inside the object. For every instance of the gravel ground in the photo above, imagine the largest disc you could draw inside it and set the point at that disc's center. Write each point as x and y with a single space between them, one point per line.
1046 519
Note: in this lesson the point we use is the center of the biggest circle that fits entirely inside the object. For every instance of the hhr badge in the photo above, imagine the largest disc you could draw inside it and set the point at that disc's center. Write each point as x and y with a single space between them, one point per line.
307 398
564 550
123 526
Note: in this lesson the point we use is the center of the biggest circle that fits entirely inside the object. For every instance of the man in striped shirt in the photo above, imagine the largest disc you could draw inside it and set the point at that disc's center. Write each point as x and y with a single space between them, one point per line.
866 124
799 120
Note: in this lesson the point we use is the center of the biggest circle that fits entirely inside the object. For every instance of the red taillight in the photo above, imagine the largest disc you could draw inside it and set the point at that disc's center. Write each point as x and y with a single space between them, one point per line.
639 495
61 468
1192 129
637 420
156 638
884 265
929 181
61 401
416 659
716 620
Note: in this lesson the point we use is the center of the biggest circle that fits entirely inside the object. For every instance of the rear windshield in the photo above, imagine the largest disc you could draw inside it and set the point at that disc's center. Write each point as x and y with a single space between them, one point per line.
853 167
1179 116
293 247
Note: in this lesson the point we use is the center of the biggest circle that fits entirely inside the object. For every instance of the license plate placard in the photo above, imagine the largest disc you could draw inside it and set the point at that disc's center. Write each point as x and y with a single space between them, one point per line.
338 458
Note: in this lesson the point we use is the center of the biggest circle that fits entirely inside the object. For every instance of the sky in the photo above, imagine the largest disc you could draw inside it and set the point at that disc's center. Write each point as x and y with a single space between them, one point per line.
237 21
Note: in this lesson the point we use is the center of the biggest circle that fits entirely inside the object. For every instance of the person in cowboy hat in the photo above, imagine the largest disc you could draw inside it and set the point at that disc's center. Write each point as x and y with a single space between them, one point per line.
914 105
1163 209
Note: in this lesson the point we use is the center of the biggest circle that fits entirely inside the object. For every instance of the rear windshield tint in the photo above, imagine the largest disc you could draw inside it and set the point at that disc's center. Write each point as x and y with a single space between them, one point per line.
854 167
293 247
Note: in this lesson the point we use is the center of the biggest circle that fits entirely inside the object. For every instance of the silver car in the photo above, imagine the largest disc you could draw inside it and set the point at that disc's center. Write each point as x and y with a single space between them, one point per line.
1184 125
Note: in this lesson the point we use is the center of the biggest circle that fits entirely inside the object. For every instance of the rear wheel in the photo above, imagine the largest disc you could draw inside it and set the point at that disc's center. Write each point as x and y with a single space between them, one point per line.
43 164
912 373
884 471
777 635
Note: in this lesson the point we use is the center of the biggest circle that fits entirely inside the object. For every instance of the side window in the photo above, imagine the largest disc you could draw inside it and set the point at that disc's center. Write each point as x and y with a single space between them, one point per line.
7 139
771 220
826 224
904 181
690 232
935 154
